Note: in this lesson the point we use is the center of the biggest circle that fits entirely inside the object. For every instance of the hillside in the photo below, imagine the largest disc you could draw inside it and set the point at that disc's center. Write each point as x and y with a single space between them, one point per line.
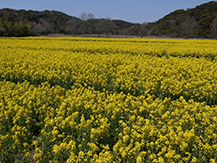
22 22
200 22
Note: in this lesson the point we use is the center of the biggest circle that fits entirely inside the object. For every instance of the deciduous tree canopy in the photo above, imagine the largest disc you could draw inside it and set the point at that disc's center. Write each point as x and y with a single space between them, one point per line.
198 22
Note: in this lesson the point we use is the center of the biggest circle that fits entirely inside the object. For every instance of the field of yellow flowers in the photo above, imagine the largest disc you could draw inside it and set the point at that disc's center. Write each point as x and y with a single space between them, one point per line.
108 100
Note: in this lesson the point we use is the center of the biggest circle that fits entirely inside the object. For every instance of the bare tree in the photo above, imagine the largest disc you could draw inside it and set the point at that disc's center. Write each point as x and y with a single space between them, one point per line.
83 16
143 30
99 26
107 26
83 26
213 30
90 22
73 26
39 29
90 16
47 25
188 27
125 32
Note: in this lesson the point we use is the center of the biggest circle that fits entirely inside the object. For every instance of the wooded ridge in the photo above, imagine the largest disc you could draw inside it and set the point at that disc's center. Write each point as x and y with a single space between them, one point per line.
198 22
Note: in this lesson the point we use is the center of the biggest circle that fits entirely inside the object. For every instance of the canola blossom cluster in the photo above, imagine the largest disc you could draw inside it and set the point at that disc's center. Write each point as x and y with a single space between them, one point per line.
108 100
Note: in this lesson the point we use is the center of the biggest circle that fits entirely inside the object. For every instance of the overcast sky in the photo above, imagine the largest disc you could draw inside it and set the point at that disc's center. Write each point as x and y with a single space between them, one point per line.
136 11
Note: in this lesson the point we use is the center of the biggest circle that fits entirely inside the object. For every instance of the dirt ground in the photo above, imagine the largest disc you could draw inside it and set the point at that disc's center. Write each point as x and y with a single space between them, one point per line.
100 36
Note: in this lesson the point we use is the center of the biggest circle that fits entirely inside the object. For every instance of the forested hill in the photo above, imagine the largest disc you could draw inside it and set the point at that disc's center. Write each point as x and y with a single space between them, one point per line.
198 22
22 23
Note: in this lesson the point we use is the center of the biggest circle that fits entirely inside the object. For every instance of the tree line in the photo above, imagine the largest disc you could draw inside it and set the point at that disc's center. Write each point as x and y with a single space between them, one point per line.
198 22
26 23
9 27
89 25
188 28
